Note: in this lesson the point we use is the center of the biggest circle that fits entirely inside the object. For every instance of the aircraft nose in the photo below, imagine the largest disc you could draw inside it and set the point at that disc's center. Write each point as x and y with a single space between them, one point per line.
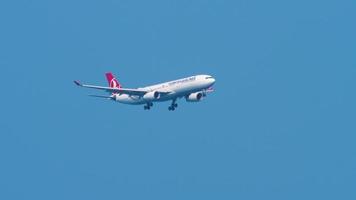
212 80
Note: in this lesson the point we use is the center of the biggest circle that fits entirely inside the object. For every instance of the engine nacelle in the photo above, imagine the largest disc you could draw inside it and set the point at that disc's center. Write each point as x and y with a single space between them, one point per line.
194 97
149 96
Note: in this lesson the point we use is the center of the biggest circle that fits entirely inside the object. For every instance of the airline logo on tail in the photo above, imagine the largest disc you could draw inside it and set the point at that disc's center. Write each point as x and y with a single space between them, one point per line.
113 83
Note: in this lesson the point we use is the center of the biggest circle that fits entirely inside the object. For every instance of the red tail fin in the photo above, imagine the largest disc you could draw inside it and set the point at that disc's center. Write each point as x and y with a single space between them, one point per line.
113 83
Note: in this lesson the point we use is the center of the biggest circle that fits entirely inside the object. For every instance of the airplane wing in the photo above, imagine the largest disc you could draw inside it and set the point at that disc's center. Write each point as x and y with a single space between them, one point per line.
138 92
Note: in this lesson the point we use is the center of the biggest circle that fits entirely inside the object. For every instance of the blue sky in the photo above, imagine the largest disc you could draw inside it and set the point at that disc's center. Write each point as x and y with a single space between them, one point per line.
280 125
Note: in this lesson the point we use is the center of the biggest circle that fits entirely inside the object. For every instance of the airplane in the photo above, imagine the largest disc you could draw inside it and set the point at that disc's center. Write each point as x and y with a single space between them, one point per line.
193 89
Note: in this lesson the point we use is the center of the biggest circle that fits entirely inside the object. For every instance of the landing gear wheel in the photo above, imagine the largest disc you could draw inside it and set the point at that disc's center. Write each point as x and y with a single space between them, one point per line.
173 106
148 106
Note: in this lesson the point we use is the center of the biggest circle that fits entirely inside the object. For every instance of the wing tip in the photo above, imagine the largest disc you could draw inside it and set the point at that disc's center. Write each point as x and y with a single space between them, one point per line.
77 83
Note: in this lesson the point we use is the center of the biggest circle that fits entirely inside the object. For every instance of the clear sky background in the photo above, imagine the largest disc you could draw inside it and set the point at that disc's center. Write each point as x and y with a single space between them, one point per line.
280 125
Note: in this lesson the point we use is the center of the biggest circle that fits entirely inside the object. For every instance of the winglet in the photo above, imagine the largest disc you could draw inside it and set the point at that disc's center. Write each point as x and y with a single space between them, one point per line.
78 83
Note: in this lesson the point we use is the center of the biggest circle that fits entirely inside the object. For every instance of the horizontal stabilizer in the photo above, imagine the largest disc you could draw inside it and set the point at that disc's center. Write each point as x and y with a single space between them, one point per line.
101 96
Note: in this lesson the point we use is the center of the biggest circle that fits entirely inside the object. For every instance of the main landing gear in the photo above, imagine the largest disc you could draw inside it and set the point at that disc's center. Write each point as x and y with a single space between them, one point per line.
173 106
148 106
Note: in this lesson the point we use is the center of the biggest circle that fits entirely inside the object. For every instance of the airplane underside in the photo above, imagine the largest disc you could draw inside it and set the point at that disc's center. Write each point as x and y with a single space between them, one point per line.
149 104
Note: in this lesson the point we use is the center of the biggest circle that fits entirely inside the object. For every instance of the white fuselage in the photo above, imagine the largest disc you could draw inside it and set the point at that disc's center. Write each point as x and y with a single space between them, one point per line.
177 89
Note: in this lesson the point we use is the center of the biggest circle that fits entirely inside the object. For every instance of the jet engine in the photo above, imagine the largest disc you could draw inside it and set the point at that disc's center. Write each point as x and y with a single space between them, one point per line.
194 97
154 95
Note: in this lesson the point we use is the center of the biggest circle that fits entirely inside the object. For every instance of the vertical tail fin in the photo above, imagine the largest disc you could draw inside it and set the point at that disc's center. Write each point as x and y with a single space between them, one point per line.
113 83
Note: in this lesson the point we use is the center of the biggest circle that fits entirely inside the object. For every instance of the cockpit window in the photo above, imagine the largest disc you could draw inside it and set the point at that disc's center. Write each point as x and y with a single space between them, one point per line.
209 77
